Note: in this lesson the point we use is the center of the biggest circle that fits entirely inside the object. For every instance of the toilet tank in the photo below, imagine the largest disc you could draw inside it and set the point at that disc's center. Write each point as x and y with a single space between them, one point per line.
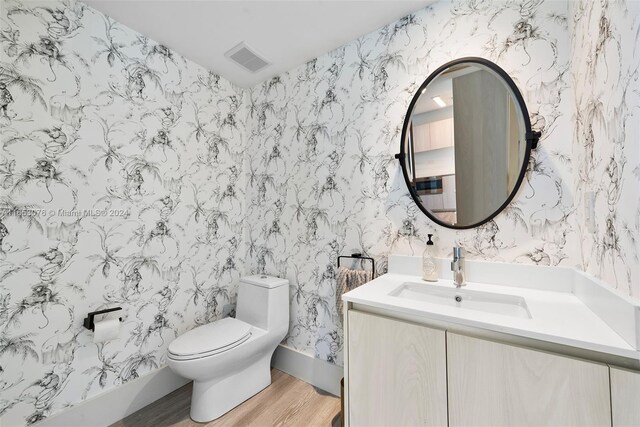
263 301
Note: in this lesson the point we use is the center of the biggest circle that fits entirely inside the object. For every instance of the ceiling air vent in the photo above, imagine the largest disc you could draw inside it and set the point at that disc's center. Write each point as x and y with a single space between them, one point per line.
246 58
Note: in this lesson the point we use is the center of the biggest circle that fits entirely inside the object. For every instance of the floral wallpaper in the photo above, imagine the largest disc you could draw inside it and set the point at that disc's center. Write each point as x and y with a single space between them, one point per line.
122 184
323 180
606 72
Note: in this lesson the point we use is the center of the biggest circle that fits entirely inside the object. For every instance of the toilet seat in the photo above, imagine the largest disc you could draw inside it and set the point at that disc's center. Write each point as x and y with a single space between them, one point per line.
210 339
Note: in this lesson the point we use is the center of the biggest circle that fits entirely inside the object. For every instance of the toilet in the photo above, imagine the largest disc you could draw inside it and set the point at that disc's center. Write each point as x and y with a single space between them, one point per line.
229 359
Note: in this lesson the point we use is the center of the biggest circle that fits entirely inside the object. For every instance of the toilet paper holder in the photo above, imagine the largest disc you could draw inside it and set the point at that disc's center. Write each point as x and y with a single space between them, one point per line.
89 322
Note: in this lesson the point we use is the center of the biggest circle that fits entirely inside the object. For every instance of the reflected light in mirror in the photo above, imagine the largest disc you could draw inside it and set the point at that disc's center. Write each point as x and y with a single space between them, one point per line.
439 101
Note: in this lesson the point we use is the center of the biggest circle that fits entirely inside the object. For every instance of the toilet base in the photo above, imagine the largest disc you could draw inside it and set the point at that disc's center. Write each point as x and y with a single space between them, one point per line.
214 398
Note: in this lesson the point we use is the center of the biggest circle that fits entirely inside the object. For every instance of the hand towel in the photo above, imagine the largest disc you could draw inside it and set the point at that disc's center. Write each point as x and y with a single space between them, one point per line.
347 280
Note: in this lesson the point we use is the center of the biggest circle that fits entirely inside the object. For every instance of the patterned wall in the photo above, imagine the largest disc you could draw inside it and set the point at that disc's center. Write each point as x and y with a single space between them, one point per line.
606 72
323 179
122 184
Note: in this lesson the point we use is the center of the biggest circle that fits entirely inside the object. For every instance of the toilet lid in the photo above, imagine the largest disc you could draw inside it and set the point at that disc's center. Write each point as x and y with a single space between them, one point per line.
206 339
264 281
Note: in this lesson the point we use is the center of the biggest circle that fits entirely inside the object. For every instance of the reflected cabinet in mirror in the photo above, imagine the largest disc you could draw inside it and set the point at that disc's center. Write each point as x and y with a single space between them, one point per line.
466 142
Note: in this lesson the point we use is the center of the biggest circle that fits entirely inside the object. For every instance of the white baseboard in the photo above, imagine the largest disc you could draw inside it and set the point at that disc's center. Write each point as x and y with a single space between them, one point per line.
115 404
316 372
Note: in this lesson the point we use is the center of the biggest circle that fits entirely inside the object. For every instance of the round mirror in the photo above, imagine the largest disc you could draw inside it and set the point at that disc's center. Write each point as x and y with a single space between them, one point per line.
466 142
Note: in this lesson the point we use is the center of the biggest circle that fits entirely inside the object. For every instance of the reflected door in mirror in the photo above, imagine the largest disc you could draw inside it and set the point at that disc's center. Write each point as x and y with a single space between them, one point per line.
486 145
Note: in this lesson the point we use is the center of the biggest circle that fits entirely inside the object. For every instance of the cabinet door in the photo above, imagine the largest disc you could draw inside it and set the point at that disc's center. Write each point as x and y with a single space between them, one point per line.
492 384
449 192
441 132
421 138
433 201
397 373
625 397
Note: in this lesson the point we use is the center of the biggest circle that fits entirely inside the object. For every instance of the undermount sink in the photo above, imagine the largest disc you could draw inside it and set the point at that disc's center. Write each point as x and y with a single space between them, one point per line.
489 302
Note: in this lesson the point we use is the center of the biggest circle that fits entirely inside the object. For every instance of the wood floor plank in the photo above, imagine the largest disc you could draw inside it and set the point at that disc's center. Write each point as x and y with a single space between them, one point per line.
296 416
317 412
285 406
288 401
258 408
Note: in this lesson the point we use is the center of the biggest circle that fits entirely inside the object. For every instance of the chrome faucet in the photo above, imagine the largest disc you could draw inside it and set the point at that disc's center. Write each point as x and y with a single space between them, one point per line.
457 266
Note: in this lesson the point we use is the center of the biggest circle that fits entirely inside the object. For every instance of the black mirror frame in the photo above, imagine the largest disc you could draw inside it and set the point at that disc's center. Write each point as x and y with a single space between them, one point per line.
532 138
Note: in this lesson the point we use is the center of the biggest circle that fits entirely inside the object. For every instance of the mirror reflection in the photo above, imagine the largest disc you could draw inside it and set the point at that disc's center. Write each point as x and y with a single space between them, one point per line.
465 145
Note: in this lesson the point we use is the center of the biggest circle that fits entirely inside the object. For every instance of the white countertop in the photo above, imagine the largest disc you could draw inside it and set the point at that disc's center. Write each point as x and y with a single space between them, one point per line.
558 317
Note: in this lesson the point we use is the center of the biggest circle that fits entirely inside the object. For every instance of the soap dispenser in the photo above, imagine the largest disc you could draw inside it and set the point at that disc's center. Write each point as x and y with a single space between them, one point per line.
429 266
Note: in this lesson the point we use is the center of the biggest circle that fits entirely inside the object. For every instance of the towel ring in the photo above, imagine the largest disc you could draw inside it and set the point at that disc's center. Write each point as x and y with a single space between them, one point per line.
361 258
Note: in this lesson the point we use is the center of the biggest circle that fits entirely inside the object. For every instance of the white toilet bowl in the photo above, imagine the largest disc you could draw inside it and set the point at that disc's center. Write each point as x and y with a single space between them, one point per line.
229 359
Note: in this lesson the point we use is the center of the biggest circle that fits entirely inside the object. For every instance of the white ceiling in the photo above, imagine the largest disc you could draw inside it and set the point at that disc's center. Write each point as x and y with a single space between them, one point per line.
286 33
441 87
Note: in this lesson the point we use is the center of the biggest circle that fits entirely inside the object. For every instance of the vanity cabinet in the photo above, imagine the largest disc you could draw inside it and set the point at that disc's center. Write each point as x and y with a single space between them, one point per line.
494 384
625 397
405 373
397 372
